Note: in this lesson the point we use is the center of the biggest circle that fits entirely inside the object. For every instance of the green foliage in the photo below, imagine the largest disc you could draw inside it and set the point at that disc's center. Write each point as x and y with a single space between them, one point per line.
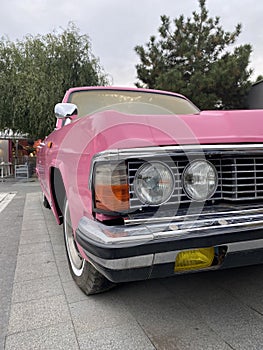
191 57
259 78
35 73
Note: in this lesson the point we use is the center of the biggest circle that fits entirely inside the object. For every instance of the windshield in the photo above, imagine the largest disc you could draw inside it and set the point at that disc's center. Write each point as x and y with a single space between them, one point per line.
130 102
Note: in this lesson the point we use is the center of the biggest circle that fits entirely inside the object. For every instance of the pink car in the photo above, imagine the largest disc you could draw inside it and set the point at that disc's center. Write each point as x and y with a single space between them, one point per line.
148 186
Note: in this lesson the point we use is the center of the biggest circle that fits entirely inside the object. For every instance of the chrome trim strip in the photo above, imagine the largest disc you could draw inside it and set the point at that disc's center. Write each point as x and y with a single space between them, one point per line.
211 221
120 154
242 246
201 231
116 154
165 258
123 263
167 219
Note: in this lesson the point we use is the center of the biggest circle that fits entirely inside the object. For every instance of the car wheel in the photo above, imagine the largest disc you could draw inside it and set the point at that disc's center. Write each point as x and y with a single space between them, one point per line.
45 201
90 280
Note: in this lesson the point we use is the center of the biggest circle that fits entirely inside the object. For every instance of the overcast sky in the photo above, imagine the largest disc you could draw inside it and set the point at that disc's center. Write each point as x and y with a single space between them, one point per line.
115 27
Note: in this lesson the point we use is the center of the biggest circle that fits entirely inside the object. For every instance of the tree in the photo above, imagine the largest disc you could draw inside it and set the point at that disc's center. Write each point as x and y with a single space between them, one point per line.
35 73
192 57
259 78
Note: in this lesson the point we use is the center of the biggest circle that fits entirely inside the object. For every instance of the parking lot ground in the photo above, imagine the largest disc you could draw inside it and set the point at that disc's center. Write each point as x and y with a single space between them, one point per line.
42 308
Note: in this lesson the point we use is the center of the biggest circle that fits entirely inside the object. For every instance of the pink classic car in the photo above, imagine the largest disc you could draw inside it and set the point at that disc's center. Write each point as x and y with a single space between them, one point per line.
148 186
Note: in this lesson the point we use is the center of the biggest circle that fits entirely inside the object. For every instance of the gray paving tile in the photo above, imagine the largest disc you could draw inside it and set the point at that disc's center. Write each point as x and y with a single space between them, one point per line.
36 226
56 337
29 237
37 289
50 220
10 246
6 285
32 206
243 327
10 228
53 228
34 201
63 271
2 339
98 312
247 285
10 232
30 248
222 312
128 336
57 238
172 325
37 257
139 291
73 292
32 212
159 307
59 252
37 314
29 267
4 312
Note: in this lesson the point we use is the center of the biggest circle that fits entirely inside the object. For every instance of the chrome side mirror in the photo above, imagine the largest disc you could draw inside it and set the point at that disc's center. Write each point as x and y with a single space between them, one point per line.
65 110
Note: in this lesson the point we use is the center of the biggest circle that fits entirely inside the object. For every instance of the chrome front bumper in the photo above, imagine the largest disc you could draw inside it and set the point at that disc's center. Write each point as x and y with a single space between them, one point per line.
145 243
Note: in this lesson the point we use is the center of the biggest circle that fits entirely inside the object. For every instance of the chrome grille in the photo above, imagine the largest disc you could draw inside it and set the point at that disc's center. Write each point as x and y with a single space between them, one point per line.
240 178
243 178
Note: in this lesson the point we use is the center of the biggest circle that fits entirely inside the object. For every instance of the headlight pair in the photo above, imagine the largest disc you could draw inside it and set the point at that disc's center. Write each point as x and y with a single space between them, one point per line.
154 182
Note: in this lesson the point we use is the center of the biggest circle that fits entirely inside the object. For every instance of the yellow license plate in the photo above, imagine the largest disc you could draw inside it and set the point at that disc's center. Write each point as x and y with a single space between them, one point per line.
194 259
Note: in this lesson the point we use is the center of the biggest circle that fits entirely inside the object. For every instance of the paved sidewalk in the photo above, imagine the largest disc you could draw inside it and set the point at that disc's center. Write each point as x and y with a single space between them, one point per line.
48 311
42 308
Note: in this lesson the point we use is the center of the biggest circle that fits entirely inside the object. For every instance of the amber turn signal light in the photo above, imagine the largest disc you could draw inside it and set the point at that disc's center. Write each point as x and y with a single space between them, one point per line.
111 188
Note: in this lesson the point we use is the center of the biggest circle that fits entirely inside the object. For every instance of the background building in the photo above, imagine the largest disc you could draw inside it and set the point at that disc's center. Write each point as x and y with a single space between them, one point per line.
255 97
12 146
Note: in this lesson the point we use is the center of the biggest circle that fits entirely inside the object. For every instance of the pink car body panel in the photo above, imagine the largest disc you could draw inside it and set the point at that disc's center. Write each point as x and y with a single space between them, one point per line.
71 148
74 145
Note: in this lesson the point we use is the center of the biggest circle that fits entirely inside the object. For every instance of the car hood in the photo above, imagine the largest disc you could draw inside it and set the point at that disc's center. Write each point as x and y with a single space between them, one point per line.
111 129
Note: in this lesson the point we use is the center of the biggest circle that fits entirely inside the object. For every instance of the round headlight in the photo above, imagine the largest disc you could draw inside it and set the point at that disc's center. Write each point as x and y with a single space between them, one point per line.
200 180
154 183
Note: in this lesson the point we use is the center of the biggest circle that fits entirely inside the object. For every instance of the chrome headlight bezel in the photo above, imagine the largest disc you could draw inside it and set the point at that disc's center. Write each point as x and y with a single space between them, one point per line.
157 170
191 192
